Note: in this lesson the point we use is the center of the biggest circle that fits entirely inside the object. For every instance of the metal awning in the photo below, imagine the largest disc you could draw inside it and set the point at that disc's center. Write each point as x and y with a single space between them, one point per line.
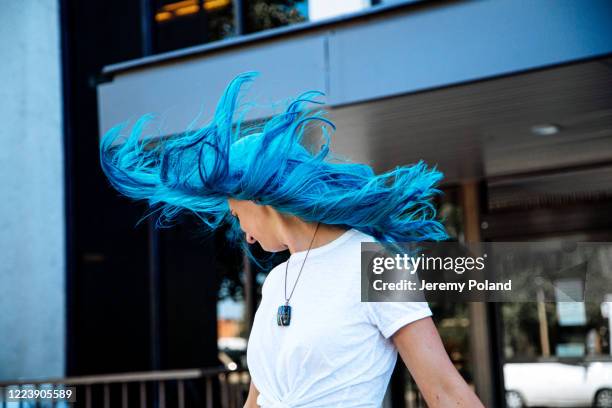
450 82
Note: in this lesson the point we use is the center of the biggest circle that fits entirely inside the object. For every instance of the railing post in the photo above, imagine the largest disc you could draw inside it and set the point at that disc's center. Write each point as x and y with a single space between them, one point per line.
143 395
181 394
224 396
209 390
124 395
162 394
106 396
239 400
229 394
88 396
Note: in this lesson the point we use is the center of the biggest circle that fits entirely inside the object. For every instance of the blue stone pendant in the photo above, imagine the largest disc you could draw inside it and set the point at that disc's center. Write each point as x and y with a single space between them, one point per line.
283 318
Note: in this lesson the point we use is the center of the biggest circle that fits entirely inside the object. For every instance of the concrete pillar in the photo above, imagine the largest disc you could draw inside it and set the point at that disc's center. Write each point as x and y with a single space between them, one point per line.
32 270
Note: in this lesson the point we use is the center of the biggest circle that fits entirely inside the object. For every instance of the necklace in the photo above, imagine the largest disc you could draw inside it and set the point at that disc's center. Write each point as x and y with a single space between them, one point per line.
283 317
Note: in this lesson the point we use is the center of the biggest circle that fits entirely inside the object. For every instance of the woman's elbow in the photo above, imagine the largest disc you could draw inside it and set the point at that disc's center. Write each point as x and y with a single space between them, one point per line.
251 401
454 392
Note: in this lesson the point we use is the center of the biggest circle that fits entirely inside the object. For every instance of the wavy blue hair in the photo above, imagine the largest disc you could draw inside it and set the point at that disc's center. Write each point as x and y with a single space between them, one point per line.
270 164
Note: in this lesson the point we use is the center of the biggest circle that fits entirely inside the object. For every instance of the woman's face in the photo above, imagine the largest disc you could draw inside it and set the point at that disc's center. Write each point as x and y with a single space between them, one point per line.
258 223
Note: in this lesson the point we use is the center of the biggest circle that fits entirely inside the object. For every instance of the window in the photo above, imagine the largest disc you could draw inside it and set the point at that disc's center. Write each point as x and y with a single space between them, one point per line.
181 24
186 23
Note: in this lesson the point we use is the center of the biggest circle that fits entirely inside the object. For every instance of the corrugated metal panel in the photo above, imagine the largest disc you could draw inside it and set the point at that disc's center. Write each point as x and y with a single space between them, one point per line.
179 90
428 45
483 129
446 44
551 190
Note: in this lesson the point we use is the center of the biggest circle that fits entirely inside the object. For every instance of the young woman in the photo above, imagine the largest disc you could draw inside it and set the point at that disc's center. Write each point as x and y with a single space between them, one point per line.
313 342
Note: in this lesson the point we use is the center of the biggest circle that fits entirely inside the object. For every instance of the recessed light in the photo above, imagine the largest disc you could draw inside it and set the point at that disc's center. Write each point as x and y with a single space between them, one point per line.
545 129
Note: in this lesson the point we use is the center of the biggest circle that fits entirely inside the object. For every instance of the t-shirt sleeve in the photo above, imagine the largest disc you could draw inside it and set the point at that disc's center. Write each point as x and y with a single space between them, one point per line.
391 316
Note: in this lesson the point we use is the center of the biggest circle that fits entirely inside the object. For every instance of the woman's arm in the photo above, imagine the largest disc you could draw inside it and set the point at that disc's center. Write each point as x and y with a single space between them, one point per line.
421 348
251 401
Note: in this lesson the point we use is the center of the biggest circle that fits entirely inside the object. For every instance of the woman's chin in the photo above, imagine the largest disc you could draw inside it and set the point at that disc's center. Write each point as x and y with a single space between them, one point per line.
273 249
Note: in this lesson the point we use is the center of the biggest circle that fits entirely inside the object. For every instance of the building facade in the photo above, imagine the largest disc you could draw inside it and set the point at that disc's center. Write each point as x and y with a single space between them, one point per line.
510 99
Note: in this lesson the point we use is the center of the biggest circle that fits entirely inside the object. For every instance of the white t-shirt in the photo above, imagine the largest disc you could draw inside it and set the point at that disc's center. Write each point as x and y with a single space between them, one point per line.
337 350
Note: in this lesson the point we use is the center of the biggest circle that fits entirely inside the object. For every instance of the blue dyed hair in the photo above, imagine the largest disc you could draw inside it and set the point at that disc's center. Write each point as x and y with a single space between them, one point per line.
270 164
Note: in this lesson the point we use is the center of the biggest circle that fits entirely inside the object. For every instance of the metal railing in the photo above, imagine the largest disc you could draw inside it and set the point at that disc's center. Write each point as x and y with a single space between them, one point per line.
207 387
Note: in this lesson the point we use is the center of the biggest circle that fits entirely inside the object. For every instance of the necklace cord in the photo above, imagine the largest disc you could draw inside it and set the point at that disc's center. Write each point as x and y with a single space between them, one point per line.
298 277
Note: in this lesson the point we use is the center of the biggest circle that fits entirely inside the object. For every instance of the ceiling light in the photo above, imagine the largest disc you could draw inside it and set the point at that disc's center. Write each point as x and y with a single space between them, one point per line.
546 129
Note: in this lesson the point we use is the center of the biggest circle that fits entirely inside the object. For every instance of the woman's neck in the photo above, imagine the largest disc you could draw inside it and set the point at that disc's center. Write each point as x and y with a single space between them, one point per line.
299 235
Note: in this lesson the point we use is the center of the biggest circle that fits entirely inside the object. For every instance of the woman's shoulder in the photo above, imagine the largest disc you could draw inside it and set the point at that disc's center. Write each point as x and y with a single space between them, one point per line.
273 275
350 250
359 236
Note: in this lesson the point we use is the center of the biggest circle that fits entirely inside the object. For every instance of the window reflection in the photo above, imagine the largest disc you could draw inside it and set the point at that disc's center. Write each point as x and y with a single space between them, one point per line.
267 14
558 353
180 24
322 9
534 330
185 23
231 333
452 319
